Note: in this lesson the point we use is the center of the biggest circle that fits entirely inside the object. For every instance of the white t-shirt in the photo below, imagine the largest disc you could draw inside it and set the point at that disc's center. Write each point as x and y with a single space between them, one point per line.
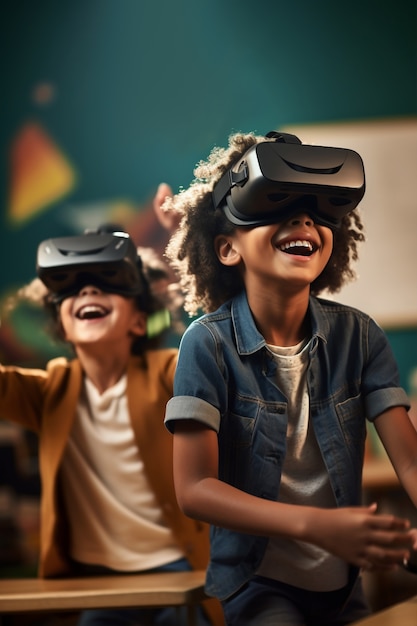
304 481
114 518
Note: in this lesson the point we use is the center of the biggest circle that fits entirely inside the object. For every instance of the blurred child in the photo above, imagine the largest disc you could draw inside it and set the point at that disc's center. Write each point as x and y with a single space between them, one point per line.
108 503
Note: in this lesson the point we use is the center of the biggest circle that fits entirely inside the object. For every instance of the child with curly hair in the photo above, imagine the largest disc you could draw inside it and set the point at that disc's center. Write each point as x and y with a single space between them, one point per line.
273 388
108 503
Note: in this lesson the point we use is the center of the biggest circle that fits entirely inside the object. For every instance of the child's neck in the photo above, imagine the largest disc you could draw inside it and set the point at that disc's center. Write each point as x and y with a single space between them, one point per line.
285 334
104 370
282 322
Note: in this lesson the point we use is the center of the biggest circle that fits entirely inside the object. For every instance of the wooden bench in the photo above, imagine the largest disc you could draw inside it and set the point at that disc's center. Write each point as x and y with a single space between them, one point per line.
162 589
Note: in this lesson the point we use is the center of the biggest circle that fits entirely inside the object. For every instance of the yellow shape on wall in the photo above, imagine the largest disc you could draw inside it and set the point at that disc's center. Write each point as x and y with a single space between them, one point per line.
40 174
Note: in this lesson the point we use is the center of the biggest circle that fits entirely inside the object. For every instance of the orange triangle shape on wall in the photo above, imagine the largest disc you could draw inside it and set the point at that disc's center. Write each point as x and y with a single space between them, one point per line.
40 174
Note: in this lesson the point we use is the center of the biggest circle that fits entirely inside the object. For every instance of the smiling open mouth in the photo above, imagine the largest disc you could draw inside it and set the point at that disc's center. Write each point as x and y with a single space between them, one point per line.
91 311
299 247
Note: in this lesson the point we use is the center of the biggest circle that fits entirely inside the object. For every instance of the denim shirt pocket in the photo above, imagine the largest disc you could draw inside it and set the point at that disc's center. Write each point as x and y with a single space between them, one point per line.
252 441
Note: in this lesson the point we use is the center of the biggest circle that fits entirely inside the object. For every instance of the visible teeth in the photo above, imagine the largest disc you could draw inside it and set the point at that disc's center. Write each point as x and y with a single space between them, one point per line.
299 243
91 310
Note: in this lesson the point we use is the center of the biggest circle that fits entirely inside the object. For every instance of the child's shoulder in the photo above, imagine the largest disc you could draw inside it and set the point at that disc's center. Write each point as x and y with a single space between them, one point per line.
60 362
335 318
333 306
161 354
158 359
61 367
153 366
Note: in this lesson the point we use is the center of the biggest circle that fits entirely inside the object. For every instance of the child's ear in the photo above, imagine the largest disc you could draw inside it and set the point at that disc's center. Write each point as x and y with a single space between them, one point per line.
138 327
225 250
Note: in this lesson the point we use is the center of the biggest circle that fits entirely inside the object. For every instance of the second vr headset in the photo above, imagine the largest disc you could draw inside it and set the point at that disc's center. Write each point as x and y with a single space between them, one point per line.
105 258
277 179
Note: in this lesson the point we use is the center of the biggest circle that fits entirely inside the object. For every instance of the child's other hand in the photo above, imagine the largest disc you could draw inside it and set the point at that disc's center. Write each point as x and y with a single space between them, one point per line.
361 537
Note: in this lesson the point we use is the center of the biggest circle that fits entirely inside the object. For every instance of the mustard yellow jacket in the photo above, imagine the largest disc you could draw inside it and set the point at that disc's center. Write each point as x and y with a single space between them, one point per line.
45 401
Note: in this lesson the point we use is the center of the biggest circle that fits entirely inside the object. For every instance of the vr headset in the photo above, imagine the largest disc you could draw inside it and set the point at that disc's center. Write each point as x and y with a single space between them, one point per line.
105 259
277 179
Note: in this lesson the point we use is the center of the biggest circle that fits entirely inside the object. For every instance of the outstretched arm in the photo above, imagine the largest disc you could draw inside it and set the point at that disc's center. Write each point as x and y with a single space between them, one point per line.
357 535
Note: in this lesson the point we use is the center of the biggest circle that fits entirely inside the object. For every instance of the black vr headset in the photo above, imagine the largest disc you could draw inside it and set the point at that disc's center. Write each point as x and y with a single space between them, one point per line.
277 179
106 258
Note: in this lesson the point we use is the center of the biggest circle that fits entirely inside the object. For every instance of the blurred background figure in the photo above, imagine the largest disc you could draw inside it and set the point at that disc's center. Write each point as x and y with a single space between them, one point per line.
111 303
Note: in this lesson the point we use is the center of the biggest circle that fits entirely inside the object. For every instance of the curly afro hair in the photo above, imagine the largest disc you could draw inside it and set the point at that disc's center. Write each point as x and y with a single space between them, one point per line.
205 281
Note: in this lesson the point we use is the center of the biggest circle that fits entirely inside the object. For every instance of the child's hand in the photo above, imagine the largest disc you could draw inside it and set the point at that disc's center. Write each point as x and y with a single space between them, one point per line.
410 564
168 219
413 532
361 537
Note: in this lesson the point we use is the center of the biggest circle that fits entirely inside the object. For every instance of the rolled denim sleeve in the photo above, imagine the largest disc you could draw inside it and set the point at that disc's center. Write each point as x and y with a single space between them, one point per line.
383 399
200 388
189 408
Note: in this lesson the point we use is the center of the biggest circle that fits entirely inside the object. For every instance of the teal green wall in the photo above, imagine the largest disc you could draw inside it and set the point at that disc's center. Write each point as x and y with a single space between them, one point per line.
404 345
145 88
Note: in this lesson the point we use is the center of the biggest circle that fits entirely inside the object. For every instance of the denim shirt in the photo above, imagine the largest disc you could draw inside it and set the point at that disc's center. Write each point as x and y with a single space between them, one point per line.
226 378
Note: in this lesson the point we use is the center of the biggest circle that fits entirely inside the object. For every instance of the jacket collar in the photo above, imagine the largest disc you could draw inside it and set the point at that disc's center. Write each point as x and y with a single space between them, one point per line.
249 339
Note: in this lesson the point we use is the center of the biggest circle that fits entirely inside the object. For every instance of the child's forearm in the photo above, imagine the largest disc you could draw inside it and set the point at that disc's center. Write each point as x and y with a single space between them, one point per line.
221 504
357 534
